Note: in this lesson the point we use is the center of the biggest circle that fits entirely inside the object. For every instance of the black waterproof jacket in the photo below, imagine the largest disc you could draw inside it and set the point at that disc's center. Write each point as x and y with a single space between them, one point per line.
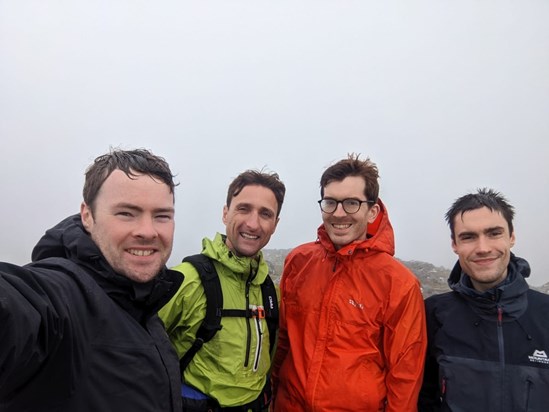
77 337
487 351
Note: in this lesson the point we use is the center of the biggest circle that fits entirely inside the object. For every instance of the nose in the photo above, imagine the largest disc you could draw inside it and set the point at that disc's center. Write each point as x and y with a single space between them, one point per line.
145 228
483 245
253 220
339 210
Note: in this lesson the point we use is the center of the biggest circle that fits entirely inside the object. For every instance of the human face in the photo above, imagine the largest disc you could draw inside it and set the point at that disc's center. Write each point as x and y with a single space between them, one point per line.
132 224
250 220
344 228
483 244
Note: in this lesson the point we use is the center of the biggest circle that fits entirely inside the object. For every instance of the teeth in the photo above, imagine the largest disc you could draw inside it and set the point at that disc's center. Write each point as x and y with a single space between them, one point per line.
341 226
247 236
138 252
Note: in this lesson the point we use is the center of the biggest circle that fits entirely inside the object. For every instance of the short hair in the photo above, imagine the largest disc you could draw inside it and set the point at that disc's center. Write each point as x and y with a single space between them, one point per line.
132 163
261 178
353 166
484 197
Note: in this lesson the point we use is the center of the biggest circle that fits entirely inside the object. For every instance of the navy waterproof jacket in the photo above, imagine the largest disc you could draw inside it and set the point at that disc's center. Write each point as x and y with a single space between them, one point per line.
487 351
77 337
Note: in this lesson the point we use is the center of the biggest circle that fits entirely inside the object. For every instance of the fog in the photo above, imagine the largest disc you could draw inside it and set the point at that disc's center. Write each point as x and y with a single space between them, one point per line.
445 97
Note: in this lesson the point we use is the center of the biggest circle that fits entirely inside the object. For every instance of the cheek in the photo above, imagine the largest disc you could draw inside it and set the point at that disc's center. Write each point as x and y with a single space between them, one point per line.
269 227
167 233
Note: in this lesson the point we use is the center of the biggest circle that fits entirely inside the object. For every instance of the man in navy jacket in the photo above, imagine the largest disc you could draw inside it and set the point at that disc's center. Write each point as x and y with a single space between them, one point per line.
488 338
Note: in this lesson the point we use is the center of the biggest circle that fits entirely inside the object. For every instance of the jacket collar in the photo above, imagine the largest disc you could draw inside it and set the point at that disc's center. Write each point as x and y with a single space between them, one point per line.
242 266
510 294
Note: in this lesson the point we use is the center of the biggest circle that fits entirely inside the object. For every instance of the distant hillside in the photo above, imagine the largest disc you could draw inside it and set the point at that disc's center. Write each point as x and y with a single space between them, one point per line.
433 279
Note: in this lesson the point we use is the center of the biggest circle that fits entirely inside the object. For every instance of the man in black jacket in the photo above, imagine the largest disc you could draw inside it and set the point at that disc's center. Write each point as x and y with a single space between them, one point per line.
78 325
489 337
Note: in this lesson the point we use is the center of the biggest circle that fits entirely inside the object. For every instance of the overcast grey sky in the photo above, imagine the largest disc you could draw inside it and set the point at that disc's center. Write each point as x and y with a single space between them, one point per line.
445 96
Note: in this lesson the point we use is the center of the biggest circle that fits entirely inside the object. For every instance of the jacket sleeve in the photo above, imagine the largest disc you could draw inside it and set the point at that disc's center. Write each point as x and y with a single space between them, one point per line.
30 325
282 341
405 343
184 313
429 396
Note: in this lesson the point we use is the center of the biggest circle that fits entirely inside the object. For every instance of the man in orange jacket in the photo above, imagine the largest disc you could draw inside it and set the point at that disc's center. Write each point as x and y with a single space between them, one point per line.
352 334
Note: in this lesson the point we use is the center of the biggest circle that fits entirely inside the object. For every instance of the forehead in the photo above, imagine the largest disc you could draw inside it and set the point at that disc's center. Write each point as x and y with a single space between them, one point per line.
478 220
351 186
259 196
140 189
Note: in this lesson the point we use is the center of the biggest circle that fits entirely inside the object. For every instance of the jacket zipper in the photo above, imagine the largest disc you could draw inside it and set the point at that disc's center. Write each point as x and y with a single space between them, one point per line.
528 390
259 336
248 319
443 388
501 351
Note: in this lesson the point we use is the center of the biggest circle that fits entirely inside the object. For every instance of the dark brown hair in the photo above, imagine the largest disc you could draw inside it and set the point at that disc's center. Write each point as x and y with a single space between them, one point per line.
353 166
132 163
255 177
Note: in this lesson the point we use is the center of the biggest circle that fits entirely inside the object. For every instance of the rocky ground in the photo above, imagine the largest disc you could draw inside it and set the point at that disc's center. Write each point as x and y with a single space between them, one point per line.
433 279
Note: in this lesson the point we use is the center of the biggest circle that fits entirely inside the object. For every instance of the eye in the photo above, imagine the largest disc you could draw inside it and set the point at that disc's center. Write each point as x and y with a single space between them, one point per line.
352 202
267 214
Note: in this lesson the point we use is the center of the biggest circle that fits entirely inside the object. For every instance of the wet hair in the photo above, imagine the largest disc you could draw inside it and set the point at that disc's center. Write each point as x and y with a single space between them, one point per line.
484 197
353 166
261 178
132 163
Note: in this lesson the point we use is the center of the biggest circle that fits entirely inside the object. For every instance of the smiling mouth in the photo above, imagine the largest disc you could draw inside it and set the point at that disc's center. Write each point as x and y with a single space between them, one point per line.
485 261
140 252
248 236
341 226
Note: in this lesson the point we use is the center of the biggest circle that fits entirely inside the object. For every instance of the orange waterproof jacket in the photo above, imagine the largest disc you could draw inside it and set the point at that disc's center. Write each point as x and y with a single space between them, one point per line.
352 335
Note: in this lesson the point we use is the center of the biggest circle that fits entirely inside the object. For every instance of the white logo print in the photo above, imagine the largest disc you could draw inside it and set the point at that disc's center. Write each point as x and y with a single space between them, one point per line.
356 304
539 356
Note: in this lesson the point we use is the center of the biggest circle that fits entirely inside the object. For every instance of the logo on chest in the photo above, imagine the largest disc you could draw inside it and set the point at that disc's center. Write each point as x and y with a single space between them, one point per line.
356 304
539 356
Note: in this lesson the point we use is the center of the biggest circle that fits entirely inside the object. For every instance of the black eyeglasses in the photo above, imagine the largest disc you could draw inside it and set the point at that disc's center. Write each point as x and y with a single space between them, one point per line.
329 205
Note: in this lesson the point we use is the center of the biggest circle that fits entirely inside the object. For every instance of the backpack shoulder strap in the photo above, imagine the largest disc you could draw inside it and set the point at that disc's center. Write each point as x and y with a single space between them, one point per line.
214 305
270 304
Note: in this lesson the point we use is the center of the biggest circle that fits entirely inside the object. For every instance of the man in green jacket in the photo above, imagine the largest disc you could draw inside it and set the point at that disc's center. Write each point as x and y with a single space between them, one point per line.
230 370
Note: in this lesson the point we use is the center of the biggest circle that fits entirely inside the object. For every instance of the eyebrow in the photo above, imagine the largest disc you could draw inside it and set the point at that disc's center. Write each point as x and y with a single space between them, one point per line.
139 209
487 230
250 206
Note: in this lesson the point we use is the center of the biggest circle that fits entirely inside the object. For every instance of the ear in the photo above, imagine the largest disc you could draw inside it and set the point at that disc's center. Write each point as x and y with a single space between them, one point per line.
86 216
513 239
373 212
225 212
454 246
276 224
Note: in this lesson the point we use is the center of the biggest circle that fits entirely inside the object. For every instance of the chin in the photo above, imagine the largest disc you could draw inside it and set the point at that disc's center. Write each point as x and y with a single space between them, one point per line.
247 253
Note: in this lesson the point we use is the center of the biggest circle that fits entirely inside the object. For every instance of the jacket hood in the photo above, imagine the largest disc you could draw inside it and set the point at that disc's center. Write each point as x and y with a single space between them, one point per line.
379 237
217 250
509 294
69 240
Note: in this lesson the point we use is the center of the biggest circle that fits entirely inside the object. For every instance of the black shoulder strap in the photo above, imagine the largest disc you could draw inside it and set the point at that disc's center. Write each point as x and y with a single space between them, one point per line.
270 304
214 305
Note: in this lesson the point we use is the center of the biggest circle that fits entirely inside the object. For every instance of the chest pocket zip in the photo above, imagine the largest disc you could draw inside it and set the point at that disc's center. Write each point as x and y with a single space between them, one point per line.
259 314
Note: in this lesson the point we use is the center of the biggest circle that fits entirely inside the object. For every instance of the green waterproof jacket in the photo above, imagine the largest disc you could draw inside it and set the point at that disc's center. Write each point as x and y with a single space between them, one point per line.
232 367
